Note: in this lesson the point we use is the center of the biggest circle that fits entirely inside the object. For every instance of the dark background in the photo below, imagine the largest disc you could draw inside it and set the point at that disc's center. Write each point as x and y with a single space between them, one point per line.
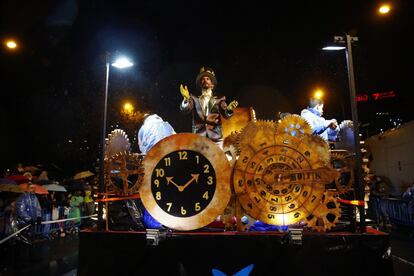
265 54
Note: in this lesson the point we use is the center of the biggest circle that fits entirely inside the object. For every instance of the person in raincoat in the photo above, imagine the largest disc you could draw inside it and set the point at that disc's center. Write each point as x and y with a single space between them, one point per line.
152 130
28 208
75 202
327 129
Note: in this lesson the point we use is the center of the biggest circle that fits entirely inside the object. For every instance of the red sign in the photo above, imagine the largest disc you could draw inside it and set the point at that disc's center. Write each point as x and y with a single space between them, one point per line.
383 95
375 96
362 98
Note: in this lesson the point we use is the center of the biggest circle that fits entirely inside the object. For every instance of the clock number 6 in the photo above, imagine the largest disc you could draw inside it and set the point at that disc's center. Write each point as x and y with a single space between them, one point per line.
183 211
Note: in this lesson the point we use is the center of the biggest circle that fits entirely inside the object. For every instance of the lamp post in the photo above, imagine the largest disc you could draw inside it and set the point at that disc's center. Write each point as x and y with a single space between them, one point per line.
347 39
121 63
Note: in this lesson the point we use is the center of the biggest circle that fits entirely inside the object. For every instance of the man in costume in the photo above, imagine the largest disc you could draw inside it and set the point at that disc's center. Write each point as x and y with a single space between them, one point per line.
327 129
206 108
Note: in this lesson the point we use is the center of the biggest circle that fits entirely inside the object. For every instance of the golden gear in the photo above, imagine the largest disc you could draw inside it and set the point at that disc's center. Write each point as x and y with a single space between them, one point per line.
326 215
230 147
116 142
279 179
294 125
319 146
255 132
343 162
124 173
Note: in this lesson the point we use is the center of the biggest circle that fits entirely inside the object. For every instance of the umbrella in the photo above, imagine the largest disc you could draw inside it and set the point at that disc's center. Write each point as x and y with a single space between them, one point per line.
83 174
11 188
18 178
37 188
31 169
55 187
7 181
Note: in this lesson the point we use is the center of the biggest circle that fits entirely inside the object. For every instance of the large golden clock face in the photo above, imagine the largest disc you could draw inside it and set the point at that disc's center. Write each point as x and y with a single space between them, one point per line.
187 181
183 183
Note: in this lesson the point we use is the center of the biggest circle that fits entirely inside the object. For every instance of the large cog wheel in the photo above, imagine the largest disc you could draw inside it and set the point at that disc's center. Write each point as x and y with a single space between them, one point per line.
116 142
319 146
255 131
294 125
124 173
342 161
326 215
279 179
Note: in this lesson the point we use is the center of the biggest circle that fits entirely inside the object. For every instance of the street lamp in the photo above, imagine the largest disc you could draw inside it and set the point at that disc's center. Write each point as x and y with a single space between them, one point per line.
11 44
121 62
347 39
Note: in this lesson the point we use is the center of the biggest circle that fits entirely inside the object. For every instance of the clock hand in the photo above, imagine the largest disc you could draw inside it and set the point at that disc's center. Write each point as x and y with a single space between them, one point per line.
193 177
169 180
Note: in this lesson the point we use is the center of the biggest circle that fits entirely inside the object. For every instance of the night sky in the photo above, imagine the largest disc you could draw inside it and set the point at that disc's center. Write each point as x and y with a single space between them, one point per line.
265 54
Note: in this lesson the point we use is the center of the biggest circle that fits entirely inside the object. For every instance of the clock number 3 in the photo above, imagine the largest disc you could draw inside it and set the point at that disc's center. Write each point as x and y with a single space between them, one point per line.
210 180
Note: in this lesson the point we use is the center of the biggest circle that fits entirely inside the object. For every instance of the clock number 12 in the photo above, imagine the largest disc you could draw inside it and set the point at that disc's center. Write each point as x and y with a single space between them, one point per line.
182 155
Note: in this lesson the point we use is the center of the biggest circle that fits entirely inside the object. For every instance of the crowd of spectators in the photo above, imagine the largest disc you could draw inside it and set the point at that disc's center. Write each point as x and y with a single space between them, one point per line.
25 199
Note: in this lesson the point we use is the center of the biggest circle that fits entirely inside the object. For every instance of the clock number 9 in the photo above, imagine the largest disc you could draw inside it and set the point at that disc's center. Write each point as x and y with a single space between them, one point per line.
157 183
183 211
197 206
183 155
158 195
210 180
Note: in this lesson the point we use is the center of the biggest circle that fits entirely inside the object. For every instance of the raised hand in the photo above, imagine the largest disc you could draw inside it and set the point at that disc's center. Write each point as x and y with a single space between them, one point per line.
232 105
184 92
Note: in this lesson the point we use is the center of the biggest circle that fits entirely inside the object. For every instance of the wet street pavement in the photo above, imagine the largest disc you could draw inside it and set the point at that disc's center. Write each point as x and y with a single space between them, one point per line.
44 257
60 256
402 251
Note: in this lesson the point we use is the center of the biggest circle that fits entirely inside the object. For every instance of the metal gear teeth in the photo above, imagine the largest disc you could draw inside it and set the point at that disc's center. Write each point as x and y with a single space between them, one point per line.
116 142
346 124
327 215
294 125
345 158
319 145
124 160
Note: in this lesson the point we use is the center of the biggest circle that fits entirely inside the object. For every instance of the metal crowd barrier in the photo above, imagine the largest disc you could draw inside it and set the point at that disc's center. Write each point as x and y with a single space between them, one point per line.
394 210
62 223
